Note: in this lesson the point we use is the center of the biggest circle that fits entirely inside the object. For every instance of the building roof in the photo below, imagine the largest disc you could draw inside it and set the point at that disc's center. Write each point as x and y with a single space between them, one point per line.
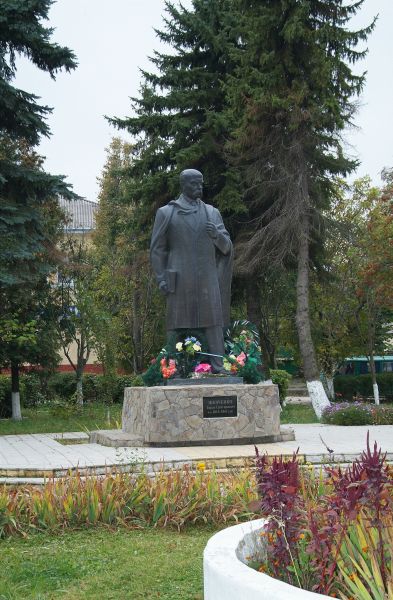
81 214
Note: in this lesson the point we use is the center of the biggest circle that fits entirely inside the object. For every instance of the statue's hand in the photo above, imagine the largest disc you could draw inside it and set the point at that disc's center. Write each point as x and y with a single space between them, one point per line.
211 229
163 287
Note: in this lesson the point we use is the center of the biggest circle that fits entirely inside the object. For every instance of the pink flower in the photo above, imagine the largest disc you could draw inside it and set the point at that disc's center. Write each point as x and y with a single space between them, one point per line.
203 368
241 359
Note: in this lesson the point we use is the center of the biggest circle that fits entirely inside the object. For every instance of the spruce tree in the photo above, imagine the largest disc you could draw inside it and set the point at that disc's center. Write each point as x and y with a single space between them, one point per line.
179 119
293 94
24 185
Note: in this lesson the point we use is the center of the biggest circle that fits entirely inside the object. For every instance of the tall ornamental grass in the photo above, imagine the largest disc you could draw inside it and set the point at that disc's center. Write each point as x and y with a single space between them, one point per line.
175 498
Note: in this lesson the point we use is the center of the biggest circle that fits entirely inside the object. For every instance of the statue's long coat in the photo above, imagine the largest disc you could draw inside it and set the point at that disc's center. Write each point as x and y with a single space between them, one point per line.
202 266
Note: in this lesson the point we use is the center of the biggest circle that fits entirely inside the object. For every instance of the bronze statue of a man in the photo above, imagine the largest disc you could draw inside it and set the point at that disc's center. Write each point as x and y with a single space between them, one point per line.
191 255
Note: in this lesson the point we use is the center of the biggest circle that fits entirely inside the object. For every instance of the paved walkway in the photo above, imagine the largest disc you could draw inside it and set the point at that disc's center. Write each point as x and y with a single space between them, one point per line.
36 456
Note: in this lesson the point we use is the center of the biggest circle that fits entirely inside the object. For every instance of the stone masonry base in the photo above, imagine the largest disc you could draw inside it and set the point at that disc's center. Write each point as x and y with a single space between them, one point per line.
197 415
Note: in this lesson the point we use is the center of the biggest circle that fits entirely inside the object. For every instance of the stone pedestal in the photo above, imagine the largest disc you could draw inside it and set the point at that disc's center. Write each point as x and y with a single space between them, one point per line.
202 414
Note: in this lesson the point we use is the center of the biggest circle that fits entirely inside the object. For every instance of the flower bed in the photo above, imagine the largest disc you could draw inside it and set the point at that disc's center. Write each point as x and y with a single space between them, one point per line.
228 576
332 533
327 535
357 413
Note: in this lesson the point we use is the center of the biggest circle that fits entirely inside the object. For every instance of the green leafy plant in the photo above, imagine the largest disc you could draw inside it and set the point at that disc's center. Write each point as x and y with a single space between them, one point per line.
243 353
170 499
5 397
357 413
282 379
348 414
366 560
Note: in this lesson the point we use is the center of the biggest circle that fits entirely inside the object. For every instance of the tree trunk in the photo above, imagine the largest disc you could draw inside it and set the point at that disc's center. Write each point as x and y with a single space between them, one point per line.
136 332
330 387
79 387
15 392
79 371
374 377
314 385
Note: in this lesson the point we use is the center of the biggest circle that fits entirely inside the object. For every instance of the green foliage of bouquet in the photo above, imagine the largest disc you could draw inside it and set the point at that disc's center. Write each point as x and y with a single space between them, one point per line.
243 353
185 351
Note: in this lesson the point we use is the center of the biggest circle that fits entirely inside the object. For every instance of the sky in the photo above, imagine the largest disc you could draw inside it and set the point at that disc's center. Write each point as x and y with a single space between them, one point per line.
112 42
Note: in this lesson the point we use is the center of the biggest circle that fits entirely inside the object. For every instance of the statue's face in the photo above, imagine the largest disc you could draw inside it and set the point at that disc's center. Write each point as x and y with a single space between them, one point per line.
193 187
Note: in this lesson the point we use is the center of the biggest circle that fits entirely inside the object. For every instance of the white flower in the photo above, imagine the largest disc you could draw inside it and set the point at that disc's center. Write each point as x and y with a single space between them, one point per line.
196 347
179 346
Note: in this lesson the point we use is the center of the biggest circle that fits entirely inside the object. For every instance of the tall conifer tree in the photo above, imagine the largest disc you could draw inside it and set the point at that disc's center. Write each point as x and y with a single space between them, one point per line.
179 119
26 190
24 185
293 94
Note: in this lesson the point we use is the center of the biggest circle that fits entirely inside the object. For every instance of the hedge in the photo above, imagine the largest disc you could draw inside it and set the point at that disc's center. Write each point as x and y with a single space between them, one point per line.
350 386
5 397
96 388
36 390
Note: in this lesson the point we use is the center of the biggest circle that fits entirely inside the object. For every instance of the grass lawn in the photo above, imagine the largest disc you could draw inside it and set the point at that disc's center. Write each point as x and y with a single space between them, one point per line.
298 414
47 420
95 416
101 564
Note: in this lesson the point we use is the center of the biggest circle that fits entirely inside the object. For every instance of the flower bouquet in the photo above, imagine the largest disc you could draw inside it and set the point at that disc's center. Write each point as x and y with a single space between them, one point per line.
186 359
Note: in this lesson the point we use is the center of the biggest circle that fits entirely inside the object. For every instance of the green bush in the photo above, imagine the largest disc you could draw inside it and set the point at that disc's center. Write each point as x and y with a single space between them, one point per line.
62 385
96 388
282 379
92 387
32 393
5 396
60 389
357 413
348 415
383 415
350 386
123 381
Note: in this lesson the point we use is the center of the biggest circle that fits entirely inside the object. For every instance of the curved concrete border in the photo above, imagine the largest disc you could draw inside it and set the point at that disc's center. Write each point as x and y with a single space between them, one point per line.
227 576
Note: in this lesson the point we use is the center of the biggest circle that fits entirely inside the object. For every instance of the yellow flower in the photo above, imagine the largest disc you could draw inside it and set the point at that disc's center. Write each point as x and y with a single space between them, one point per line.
201 466
196 347
179 346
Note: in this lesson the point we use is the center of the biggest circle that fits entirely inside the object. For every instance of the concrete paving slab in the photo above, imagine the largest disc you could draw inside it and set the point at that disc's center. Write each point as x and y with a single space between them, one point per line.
32 456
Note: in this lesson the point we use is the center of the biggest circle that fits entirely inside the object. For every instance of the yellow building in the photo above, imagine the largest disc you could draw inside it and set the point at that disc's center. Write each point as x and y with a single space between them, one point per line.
80 224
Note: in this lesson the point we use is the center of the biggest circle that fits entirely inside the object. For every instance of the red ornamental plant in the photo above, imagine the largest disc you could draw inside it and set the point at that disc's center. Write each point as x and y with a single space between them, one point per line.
300 525
281 502
362 487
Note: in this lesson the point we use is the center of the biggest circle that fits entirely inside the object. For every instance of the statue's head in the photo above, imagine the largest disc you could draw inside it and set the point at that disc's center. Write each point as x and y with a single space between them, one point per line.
191 183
